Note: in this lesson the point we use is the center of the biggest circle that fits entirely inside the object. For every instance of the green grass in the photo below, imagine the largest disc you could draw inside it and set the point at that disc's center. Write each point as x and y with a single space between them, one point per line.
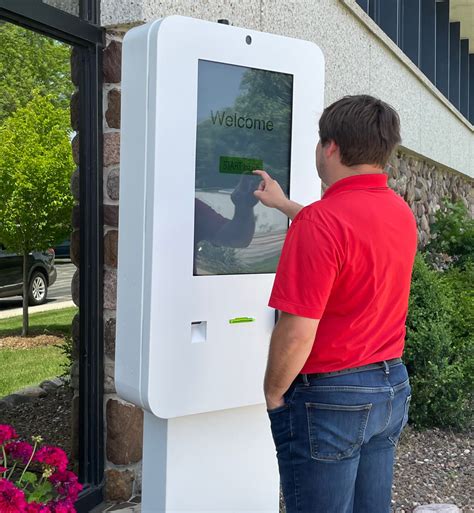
25 367
21 368
52 322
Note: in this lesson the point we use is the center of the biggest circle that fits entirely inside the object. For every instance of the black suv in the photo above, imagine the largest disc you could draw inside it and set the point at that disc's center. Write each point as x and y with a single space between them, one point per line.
41 275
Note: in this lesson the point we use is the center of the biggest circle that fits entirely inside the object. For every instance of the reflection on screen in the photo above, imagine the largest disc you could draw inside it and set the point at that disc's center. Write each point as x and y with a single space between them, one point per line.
243 123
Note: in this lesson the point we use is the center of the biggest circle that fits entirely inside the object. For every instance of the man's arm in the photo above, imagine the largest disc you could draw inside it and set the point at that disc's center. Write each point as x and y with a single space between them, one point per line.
290 346
271 195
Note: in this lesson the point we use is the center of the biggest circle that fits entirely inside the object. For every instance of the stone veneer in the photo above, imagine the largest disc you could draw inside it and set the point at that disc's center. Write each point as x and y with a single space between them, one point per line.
422 184
123 421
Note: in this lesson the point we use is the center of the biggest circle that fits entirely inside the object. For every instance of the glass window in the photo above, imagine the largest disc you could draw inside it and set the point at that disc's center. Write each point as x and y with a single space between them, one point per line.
243 123
36 167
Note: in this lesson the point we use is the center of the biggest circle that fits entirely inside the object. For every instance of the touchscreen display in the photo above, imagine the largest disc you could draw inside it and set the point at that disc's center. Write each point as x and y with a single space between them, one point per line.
243 123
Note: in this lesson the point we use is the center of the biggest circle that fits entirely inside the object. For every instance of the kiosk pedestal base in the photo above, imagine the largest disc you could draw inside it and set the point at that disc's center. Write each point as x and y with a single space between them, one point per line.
219 462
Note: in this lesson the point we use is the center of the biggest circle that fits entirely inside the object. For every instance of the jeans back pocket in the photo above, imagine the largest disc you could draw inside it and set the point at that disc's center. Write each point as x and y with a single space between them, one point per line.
336 431
395 437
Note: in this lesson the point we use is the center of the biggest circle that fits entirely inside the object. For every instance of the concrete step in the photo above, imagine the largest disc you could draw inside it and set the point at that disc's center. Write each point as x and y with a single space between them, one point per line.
437 508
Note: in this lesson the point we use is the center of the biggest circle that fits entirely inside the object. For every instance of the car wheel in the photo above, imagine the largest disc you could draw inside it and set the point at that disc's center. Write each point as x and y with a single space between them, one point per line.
38 289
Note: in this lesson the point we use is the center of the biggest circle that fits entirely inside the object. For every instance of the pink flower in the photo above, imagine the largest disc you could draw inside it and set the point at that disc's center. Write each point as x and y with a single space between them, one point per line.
66 484
34 507
2 469
20 451
7 433
52 456
64 506
12 500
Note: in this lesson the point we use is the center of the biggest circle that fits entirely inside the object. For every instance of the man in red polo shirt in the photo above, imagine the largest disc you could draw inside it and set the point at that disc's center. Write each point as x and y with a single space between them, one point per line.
337 392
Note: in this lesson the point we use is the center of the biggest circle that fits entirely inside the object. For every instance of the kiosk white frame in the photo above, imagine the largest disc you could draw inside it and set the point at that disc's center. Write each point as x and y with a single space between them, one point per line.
215 452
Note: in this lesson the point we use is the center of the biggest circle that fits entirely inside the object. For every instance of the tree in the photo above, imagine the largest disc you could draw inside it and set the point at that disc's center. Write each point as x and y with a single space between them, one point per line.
32 62
35 171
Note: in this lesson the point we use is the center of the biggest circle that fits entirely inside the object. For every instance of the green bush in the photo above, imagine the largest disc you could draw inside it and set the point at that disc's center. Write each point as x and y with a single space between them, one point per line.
439 347
462 284
452 235
440 324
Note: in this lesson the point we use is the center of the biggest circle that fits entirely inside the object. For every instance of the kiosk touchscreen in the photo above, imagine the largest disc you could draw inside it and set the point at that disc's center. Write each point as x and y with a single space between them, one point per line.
203 105
243 123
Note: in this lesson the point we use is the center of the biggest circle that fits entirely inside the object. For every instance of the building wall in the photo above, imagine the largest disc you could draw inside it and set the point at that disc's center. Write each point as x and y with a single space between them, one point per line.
70 6
424 171
360 58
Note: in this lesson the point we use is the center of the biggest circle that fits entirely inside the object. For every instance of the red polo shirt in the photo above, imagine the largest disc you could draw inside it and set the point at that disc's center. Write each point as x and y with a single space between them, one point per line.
347 260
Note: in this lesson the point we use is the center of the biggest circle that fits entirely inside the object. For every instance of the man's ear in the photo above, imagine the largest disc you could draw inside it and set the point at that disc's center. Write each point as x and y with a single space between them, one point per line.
330 149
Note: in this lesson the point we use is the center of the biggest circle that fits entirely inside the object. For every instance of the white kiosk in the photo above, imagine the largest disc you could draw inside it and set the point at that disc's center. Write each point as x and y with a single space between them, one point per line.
203 104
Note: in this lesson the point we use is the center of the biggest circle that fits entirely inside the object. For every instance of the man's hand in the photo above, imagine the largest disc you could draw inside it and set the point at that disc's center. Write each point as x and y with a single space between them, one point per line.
271 195
269 191
273 403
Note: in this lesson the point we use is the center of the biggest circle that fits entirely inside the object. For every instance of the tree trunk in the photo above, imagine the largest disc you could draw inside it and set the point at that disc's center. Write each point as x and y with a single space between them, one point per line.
24 331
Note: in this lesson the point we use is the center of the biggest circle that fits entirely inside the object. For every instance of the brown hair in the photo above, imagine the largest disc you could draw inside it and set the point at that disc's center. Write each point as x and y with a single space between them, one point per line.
365 128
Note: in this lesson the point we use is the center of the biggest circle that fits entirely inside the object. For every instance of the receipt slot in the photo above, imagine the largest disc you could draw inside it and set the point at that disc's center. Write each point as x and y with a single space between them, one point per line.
203 105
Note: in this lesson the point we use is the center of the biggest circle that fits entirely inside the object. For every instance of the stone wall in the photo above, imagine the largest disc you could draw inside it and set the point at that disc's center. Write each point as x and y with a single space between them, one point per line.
124 422
423 185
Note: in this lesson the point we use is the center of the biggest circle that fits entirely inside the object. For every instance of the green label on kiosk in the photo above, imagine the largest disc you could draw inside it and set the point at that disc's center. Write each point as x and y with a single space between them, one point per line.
238 165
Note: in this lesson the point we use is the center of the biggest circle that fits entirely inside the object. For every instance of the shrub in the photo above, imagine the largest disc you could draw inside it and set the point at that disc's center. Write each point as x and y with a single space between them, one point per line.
439 353
452 235
462 284
67 350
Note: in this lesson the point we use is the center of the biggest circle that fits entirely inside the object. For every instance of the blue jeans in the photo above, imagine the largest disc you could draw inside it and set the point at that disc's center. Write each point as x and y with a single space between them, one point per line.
336 437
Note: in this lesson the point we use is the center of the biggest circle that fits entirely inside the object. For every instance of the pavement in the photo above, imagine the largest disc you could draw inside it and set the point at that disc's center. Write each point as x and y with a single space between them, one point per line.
62 286
59 294
132 506
53 305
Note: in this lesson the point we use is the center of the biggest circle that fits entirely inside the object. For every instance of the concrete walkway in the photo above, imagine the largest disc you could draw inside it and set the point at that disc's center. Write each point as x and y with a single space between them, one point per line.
131 509
128 507
54 305
124 507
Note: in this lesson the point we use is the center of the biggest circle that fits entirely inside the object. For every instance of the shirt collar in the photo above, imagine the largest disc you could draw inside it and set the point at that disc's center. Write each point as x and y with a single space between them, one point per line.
367 181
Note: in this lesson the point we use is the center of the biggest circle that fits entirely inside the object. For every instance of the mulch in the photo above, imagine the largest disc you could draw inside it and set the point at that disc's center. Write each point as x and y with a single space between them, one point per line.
434 466
48 417
30 342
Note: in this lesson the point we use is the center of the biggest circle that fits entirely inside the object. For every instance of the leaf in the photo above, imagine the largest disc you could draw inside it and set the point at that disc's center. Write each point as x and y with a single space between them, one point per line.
22 72
41 493
29 477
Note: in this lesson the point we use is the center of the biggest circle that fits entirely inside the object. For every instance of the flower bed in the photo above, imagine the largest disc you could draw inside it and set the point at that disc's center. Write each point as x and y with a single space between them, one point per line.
34 478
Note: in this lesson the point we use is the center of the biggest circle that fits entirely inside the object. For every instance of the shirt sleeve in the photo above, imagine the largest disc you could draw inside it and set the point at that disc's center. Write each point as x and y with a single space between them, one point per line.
308 267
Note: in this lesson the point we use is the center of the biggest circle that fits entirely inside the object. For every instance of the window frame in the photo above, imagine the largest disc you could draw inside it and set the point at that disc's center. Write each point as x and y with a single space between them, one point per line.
88 37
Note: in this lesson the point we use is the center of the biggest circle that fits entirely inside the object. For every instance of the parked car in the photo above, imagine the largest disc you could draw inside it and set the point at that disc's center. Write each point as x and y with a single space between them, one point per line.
63 250
41 275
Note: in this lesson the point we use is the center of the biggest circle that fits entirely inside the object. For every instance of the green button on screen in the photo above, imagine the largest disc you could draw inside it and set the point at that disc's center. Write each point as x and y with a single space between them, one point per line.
238 165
